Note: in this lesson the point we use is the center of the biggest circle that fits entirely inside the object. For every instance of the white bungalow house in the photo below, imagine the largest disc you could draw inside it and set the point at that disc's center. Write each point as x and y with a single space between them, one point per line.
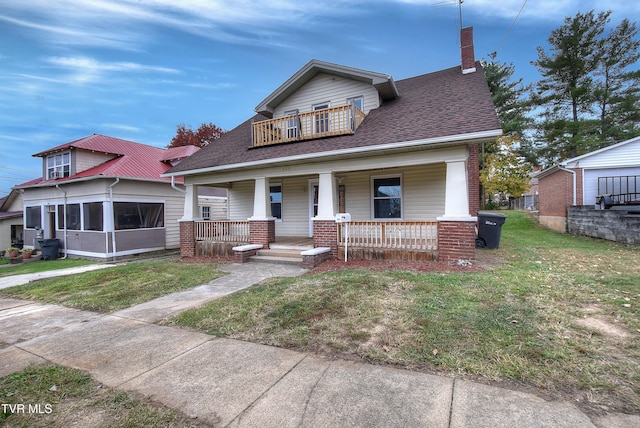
401 157
104 197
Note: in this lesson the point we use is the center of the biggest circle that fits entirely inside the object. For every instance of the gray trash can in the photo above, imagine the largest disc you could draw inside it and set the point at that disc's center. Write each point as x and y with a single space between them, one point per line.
489 228
49 248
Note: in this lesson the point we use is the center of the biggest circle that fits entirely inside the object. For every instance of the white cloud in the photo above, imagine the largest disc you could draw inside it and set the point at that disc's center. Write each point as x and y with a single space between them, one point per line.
85 70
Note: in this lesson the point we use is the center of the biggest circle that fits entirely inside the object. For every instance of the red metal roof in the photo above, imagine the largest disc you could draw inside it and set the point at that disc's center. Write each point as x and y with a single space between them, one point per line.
132 160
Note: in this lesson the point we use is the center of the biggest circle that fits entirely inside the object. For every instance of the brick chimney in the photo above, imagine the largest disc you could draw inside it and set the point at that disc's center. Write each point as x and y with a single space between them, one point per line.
466 50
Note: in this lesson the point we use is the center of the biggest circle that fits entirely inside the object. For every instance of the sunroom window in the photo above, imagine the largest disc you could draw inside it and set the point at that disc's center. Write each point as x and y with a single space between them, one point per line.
138 215
387 197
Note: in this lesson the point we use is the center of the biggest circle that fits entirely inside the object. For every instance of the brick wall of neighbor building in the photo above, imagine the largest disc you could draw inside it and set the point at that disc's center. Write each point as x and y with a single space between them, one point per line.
325 234
555 195
473 172
456 241
187 239
262 232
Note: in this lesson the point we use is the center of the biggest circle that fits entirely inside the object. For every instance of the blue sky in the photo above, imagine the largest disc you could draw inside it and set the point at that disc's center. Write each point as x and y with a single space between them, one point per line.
135 69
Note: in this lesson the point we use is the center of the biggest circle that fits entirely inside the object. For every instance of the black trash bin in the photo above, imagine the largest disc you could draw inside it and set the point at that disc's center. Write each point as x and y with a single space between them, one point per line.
49 248
489 228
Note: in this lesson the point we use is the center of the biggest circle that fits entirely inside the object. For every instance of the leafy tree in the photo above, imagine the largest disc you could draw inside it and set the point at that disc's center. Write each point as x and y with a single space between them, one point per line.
588 96
203 136
505 173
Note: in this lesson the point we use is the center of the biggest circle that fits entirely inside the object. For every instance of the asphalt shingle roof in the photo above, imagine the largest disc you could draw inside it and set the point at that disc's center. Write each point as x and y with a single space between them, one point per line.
440 104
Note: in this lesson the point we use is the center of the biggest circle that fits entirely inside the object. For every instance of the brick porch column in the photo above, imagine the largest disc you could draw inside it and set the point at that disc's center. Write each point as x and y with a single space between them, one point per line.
325 234
187 239
456 239
262 232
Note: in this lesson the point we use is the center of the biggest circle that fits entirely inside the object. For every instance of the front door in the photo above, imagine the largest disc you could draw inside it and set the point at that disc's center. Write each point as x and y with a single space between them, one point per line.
313 204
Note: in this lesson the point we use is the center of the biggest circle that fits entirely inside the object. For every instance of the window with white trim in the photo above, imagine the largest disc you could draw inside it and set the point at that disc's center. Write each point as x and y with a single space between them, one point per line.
292 127
205 212
275 195
321 120
58 166
386 198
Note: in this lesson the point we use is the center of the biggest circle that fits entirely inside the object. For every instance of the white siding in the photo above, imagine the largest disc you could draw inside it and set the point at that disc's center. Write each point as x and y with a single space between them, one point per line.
217 206
332 89
295 207
624 155
240 203
423 192
590 189
85 160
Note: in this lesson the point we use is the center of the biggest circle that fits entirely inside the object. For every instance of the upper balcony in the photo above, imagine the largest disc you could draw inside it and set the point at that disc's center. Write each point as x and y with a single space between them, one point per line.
305 126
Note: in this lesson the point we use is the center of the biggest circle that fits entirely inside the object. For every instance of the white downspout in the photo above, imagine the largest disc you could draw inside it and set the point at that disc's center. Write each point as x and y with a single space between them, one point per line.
65 220
113 218
173 185
575 187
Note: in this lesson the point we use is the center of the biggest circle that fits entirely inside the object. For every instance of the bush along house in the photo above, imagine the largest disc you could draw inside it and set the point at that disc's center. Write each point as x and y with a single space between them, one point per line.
104 197
401 157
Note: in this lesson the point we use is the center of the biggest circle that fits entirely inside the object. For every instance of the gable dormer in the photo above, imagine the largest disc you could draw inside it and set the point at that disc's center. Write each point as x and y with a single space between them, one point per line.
321 100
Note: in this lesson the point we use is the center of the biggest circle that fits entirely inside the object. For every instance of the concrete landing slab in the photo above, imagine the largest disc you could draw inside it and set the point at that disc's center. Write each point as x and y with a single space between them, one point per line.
478 405
218 380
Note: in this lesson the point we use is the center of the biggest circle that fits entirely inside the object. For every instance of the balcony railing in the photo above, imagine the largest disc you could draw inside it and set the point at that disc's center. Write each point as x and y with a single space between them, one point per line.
418 235
305 126
222 231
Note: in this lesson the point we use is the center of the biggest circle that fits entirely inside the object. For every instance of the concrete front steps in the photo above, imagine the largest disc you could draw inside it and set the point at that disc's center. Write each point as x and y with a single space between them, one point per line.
283 254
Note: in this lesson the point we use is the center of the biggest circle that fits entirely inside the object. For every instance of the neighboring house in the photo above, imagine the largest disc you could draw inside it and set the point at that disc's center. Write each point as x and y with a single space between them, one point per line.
11 220
104 197
613 171
401 157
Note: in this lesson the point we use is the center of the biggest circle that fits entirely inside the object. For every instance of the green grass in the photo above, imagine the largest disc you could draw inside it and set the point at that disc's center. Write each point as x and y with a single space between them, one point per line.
552 311
117 287
76 400
39 266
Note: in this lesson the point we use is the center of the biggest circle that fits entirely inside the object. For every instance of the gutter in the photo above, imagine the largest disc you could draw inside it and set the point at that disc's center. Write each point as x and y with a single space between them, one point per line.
113 217
175 187
575 187
65 221
476 137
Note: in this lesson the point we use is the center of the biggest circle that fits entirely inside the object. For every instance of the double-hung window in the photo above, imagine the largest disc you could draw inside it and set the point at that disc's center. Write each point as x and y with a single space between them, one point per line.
59 165
205 212
387 197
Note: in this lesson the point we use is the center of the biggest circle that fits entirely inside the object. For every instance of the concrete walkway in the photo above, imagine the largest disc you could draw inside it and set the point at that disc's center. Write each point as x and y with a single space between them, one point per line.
226 382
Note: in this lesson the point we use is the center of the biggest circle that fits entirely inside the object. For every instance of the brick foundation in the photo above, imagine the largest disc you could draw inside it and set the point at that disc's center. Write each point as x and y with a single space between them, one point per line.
456 241
187 239
325 234
262 232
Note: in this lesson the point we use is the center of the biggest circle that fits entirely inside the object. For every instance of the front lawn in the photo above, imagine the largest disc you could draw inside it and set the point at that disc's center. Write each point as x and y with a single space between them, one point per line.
551 311
117 287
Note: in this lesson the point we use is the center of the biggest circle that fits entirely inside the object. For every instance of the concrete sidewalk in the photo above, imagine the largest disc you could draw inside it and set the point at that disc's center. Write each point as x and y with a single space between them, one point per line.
226 382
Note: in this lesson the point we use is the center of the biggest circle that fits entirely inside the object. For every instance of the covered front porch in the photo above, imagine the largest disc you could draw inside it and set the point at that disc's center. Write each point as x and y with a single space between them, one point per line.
410 210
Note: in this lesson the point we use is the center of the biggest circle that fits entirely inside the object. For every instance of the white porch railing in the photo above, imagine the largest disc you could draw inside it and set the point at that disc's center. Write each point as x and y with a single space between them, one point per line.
418 235
222 231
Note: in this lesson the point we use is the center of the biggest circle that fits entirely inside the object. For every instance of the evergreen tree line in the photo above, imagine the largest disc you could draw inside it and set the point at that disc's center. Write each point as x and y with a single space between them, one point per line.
588 96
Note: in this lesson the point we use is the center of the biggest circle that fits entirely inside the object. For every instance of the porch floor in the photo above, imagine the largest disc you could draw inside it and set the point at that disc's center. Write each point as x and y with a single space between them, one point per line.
292 242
